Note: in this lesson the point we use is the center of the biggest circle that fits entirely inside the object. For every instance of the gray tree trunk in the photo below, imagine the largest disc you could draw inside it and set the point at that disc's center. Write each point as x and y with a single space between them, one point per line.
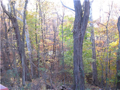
63 66
16 28
6 41
80 25
28 42
118 57
18 38
107 58
94 66
38 40
23 42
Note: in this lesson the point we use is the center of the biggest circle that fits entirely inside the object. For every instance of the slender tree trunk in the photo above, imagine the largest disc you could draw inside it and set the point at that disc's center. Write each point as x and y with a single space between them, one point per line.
3 57
102 76
6 41
94 66
37 45
54 40
29 47
118 57
44 49
38 40
23 42
63 66
80 25
107 59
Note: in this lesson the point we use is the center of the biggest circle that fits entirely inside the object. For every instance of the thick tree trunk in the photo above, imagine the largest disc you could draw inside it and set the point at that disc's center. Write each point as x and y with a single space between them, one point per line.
118 57
79 29
18 37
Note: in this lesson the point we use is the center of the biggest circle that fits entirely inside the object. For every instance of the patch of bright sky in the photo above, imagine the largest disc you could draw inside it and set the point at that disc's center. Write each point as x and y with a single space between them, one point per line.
99 7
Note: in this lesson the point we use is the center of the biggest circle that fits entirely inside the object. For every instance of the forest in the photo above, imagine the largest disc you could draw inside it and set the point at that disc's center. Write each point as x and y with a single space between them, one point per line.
51 45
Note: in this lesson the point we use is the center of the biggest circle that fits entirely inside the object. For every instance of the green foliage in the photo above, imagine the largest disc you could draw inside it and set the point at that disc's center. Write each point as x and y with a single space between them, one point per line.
68 42
41 69
7 79
118 74
31 20
67 30
87 51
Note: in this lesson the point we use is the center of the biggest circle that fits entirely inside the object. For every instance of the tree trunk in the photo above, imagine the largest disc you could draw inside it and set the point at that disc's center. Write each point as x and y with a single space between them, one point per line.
18 38
15 65
38 40
94 66
118 57
29 48
63 66
80 24
6 41
23 42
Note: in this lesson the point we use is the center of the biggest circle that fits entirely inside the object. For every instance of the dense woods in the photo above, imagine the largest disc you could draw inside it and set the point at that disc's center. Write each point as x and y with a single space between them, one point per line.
50 46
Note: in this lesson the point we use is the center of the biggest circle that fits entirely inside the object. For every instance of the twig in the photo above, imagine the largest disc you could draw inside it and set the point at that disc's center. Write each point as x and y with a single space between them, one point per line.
67 7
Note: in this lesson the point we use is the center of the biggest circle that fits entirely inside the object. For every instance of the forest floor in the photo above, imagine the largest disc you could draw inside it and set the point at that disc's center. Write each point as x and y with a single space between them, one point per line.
39 84
91 87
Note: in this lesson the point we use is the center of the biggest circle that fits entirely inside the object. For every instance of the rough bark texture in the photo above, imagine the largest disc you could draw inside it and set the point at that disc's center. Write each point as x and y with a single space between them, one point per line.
79 29
118 57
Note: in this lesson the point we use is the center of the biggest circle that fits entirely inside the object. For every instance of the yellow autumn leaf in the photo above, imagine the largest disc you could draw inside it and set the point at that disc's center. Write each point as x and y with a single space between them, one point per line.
114 44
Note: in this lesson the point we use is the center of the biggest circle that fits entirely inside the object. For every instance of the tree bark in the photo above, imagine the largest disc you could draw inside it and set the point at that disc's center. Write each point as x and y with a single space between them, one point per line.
23 42
16 28
118 57
80 25
28 42
63 66
6 41
94 66
38 39
20 43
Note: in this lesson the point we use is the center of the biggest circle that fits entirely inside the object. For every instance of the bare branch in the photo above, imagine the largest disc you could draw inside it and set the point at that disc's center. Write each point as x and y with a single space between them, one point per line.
67 7
19 12
86 15
4 10
18 18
